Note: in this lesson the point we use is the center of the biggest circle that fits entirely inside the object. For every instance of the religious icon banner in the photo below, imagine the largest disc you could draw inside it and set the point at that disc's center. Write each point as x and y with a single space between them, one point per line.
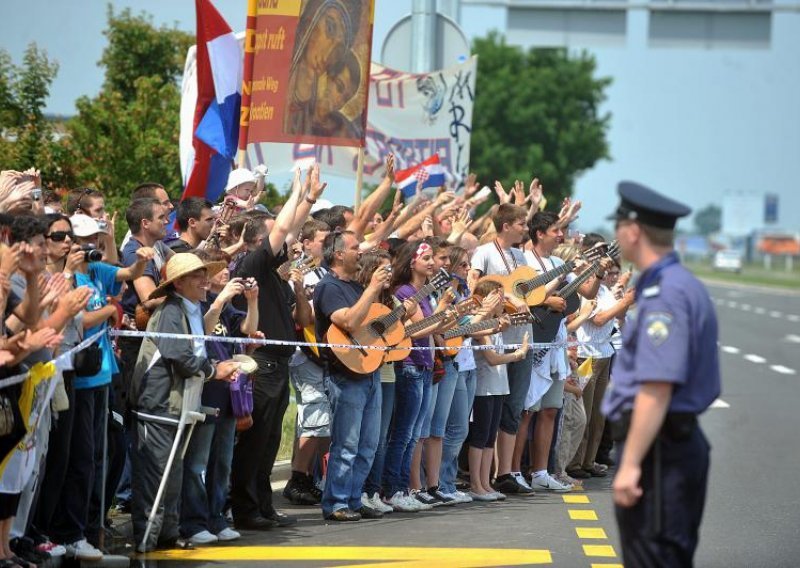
310 72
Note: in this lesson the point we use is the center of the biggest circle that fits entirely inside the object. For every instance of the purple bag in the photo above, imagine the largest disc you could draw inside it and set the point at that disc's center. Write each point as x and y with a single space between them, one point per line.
242 395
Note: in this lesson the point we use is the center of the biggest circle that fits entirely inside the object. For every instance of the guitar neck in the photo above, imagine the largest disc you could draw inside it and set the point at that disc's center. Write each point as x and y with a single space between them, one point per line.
471 328
572 287
546 277
397 313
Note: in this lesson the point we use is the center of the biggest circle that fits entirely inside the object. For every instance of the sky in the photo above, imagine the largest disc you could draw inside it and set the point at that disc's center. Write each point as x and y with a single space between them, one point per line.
695 124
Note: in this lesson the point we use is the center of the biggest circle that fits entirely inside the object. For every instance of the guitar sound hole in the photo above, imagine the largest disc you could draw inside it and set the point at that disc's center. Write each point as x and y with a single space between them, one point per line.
521 289
378 328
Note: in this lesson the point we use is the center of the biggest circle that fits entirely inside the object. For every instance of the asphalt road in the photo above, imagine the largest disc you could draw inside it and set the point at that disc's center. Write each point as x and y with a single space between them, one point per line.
752 514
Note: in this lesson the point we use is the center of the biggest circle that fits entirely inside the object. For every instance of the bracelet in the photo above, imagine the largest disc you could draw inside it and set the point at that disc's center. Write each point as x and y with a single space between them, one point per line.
67 274
311 201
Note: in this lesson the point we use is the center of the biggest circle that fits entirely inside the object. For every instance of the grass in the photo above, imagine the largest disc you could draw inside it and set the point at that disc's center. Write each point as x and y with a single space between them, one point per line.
755 274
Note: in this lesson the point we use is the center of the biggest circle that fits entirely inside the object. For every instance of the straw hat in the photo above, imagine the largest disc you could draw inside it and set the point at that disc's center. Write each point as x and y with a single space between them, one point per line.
182 264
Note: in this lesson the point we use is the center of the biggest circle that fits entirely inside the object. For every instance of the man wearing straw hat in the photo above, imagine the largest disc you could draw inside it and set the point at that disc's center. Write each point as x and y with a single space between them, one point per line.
157 388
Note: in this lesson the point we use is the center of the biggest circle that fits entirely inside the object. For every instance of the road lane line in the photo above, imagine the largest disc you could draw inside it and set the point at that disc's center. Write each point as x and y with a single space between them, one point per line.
729 349
576 499
746 307
719 403
792 338
582 514
415 556
732 304
599 550
793 317
783 370
591 532
758 359
775 314
760 311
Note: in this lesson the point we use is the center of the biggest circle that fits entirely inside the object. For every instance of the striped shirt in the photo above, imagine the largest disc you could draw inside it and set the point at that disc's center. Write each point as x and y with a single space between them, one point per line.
599 336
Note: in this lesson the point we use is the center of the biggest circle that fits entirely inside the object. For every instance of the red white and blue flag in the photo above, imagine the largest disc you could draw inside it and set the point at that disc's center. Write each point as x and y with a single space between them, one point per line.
430 172
219 98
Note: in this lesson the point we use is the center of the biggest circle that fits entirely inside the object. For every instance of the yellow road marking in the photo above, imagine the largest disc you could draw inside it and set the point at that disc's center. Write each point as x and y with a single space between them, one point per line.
578 488
582 515
574 499
604 550
409 557
590 532
607 566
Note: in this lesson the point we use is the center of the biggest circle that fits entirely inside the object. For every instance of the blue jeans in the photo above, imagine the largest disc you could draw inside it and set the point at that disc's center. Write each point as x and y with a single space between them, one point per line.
412 397
373 483
457 429
209 456
355 429
444 400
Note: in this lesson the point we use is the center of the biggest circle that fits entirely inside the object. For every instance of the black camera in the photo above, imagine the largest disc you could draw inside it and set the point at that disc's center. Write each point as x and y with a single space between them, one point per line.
91 254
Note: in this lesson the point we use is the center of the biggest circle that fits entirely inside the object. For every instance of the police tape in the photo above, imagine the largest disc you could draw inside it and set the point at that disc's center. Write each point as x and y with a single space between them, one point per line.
60 362
287 343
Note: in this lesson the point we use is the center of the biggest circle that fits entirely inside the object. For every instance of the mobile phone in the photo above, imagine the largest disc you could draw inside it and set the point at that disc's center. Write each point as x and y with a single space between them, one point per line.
37 193
484 192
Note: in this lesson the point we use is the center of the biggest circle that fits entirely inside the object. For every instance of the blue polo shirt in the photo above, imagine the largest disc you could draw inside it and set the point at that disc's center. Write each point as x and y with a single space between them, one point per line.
671 338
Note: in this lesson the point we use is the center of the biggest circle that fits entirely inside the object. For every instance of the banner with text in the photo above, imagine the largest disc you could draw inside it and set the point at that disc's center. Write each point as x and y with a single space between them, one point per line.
309 72
413 116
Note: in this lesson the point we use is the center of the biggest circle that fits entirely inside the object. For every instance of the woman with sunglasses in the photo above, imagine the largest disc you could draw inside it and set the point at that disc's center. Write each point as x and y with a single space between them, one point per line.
69 524
411 269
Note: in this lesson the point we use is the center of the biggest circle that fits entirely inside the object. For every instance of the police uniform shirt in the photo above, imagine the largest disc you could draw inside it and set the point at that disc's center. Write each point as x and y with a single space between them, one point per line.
672 338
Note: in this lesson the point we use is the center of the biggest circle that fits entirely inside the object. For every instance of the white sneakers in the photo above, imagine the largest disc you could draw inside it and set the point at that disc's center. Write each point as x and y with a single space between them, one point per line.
483 497
82 550
228 534
406 503
545 482
203 537
520 479
375 502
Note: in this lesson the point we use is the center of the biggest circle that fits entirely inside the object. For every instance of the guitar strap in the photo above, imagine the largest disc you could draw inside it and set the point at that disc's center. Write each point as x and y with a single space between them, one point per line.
503 256
541 262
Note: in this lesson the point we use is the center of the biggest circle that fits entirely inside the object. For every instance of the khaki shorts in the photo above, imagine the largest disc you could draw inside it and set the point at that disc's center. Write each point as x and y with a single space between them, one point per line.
553 398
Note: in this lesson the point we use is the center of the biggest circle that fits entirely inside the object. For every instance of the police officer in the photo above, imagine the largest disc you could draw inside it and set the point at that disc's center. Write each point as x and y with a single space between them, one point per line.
665 375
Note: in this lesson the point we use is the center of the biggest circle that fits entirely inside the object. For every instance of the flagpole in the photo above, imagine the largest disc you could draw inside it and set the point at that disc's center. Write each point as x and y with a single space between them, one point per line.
359 179
247 80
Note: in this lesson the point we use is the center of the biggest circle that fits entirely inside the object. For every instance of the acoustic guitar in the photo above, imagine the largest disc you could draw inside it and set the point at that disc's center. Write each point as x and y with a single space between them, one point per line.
550 320
529 285
304 265
454 338
382 327
403 349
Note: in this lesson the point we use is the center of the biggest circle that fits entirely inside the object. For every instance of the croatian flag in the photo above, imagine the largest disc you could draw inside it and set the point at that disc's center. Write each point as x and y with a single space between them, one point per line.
430 172
219 98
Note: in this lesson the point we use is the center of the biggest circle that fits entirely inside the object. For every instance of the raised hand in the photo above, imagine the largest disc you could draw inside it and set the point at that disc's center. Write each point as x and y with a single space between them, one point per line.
390 167
502 194
471 186
535 193
75 300
380 277
317 186
519 192
9 263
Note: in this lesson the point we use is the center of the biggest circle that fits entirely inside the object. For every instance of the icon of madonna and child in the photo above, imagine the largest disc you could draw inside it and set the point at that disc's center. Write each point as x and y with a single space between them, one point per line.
329 65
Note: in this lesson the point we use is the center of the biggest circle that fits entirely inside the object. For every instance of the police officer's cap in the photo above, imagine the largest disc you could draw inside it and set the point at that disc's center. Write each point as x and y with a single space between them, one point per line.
642 204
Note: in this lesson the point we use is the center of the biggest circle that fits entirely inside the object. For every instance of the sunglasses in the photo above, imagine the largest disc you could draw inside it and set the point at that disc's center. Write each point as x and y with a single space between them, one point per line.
60 236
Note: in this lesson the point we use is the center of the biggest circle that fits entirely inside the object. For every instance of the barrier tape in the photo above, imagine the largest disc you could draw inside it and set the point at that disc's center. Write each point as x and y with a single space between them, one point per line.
285 343
58 361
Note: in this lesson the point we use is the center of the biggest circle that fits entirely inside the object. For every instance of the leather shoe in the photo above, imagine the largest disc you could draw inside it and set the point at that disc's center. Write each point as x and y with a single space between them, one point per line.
343 515
281 519
369 513
257 523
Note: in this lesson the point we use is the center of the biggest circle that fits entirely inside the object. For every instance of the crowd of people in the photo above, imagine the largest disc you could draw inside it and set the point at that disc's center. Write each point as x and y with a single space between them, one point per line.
440 424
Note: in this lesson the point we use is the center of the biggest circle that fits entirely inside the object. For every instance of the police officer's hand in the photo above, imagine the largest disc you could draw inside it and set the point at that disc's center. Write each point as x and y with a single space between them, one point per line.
629 297
556 303
627 491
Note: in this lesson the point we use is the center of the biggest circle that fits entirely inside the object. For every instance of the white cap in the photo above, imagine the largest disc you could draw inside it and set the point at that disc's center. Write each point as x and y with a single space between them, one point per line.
84 226
320 205
238 177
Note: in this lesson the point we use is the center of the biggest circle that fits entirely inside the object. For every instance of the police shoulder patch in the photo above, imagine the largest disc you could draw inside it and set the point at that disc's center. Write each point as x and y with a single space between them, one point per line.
658 326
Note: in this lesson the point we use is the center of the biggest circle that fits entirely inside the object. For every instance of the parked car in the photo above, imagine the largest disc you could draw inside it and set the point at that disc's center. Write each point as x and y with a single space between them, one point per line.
728 260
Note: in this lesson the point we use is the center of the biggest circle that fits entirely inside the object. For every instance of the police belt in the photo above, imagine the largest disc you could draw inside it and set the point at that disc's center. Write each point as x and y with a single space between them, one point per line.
677 426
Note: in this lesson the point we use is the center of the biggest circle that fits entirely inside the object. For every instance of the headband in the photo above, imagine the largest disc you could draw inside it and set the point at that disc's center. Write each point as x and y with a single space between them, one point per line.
422 249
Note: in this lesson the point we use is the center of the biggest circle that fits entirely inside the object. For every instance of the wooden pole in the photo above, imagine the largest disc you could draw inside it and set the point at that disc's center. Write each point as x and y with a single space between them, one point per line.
359 179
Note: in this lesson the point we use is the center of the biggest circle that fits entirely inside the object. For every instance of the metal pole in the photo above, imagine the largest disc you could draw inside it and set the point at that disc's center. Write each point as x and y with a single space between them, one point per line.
423 35
451 9
359 180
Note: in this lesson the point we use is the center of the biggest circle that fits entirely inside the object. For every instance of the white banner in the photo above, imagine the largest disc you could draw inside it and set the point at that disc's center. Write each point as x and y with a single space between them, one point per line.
412 116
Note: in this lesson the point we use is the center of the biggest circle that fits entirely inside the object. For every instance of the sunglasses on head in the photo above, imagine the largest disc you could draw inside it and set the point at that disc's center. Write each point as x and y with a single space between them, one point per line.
60 236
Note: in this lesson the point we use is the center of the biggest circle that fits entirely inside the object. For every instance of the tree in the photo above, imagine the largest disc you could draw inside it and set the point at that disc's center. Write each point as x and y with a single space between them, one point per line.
128 133
537 113
27 135
708 220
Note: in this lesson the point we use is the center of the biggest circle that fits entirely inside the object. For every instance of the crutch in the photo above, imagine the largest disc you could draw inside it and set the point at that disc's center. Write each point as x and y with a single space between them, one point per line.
190 415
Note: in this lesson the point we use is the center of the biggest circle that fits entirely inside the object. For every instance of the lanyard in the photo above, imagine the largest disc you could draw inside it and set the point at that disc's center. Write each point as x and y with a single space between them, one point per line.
541 262
503 256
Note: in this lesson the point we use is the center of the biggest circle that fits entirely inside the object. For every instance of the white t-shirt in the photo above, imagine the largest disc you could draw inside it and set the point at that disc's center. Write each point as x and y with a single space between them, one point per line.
310 280
488 260
598 335
491 380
